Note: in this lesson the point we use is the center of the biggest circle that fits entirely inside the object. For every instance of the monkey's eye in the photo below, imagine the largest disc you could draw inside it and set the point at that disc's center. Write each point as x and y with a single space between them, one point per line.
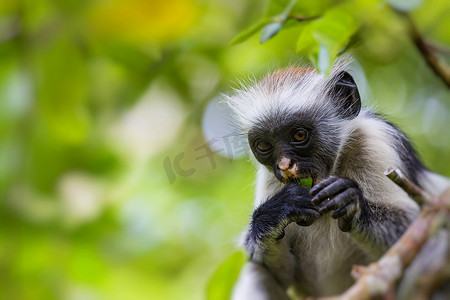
300 136
264 146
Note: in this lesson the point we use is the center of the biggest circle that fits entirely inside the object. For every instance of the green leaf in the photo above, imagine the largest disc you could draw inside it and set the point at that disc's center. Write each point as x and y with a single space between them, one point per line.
269 31
323 39
324 59
287 10
306 182
270 26
306 42
333 32
314 57
221 283
244 35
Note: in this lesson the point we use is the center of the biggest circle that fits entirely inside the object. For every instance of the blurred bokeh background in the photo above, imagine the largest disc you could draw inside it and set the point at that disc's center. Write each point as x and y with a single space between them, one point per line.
107 187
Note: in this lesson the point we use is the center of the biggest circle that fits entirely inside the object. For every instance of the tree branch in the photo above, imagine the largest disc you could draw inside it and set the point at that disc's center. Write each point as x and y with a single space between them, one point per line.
300 18
379 278
426 49
416 193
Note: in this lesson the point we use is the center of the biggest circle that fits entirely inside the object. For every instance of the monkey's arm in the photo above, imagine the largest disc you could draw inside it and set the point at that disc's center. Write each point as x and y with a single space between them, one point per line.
376 219
264 238
272 266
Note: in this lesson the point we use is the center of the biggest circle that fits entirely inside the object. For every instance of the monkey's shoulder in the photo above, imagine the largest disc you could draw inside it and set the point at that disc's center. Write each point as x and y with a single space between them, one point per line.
374 144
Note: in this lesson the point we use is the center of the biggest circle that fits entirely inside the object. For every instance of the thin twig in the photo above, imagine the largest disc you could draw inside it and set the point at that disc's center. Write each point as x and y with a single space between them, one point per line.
416 193
438 48
300 18
438 66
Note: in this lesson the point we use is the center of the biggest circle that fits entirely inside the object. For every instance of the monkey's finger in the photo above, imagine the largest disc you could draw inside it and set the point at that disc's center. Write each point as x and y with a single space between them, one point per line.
332 190
321 185
345 223
341 200
305 220
305 223
348 210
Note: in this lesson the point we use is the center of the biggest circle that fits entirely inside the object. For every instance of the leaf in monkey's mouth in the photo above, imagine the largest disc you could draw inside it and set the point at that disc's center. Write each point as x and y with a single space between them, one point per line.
306 182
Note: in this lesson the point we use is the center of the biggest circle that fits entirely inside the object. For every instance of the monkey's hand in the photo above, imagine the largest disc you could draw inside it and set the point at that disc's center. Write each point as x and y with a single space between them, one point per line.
340 195
291 204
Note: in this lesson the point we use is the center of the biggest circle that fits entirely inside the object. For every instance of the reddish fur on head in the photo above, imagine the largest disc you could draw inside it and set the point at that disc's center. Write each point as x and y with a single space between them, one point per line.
291 89
284 76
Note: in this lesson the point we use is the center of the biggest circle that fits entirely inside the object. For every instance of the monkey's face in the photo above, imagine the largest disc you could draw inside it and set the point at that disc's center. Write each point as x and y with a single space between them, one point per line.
295 146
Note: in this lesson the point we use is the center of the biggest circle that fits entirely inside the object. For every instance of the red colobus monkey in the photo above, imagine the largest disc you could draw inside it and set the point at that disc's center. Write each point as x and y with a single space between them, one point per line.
303 124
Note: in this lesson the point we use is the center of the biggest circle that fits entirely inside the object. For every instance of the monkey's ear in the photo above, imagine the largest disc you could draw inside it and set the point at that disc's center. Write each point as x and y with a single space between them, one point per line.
346 95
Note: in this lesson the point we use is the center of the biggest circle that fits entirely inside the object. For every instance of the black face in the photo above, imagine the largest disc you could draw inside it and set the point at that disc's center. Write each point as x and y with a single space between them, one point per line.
300 145
294 147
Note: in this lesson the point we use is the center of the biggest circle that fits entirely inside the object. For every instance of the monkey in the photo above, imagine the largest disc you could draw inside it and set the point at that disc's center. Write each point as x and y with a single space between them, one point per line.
299 124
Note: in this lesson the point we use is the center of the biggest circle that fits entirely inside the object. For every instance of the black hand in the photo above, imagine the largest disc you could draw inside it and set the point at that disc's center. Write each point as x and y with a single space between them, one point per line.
344 198
291 204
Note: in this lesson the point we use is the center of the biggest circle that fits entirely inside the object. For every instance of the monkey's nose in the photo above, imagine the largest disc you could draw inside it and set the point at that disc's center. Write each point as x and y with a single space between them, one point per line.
287 167
285 163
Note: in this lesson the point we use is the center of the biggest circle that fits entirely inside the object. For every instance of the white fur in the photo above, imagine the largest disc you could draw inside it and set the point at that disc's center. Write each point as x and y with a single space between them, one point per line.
289 91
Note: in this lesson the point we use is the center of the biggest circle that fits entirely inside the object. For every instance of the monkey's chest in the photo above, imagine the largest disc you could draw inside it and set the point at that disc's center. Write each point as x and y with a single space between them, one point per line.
325 256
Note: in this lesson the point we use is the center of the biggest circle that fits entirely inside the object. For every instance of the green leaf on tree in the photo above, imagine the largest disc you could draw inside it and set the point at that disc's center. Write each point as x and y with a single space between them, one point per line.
333 32
270 25
323 39
243 36
221 283
269 31
306 42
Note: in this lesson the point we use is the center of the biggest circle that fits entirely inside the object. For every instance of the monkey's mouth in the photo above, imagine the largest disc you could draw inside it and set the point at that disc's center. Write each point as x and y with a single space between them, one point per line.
294 176
289 171
303 177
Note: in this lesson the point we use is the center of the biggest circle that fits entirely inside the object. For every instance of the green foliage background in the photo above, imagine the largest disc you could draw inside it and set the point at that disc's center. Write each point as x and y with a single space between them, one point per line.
96 95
